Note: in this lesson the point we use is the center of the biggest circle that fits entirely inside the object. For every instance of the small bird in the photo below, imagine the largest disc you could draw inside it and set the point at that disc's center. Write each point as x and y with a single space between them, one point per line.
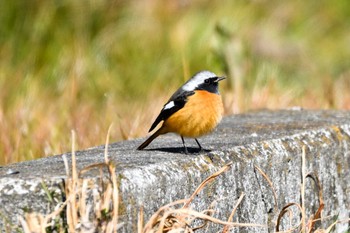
192 111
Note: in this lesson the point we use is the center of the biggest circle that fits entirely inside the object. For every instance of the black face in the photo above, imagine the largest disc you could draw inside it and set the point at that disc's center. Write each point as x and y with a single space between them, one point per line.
210 84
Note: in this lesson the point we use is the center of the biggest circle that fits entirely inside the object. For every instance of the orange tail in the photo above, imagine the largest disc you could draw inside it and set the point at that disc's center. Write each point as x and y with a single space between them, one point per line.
151 138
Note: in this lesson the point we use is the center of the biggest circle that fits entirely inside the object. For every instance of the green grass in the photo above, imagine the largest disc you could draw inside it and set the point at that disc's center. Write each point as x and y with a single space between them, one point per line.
83 65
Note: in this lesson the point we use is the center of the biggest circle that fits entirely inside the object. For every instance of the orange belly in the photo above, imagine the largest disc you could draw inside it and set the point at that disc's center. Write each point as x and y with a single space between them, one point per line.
201 114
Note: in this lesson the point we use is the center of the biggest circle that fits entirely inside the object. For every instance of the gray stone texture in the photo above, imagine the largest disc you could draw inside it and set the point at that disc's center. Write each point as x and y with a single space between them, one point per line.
270 140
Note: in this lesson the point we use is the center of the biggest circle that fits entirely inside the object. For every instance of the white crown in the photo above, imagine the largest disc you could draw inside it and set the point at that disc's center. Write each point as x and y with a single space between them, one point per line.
197 79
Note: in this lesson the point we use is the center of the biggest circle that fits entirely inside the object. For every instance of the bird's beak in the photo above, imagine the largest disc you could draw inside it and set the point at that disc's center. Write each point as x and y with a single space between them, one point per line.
218 79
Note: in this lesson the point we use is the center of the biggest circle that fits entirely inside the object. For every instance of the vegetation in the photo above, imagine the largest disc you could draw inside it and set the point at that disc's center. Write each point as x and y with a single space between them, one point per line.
102 215
82 65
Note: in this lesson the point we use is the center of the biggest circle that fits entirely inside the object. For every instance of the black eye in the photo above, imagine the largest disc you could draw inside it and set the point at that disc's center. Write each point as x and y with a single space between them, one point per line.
207 81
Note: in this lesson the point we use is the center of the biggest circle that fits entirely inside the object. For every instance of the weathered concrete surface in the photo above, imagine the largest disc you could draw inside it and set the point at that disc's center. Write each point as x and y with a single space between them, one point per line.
270 140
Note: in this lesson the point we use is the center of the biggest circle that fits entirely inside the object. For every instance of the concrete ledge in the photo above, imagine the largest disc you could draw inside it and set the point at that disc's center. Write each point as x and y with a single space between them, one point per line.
271 140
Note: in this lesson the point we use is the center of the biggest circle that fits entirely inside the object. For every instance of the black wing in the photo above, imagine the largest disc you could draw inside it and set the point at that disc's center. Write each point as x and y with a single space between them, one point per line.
179 100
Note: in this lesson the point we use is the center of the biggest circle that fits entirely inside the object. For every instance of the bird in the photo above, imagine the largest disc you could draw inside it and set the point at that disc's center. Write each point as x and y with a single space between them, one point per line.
194 110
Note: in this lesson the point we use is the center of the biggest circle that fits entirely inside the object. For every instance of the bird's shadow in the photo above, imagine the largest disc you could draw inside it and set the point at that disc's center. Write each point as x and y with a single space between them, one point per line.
180 150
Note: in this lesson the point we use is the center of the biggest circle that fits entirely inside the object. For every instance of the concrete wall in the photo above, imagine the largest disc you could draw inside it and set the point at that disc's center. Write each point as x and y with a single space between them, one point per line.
272 141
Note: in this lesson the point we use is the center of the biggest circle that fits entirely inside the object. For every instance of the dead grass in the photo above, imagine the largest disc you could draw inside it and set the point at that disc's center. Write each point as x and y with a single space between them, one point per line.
104 209
99 216
102 214
306 223
171 219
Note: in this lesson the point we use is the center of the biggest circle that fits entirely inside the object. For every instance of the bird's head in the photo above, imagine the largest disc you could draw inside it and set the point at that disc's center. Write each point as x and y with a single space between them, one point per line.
203 80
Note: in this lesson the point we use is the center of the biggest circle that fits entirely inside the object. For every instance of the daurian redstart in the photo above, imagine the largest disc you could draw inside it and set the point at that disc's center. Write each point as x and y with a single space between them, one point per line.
193 110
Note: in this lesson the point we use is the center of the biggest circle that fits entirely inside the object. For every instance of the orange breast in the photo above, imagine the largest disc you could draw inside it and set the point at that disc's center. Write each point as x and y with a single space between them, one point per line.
201 114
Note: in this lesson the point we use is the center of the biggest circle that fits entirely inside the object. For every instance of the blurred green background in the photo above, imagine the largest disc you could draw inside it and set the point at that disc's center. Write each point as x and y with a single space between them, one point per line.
82 65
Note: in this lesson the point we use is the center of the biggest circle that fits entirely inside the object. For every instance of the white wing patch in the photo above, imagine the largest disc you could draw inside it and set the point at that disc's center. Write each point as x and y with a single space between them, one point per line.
169 105
197 79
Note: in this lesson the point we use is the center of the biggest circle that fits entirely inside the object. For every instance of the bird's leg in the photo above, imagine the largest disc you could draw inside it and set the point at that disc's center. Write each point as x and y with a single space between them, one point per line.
183 142
199 145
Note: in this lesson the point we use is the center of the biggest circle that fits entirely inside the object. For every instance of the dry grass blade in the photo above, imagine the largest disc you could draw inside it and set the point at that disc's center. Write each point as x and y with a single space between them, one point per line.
283 212
303 177
205 182
115 190
317 215
140 220
83 198
71 188
74 164
227 228
107 144
329 229
115 199
271 185
92 166
57 211
155 218
24 225
203 216
207 212
170 221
